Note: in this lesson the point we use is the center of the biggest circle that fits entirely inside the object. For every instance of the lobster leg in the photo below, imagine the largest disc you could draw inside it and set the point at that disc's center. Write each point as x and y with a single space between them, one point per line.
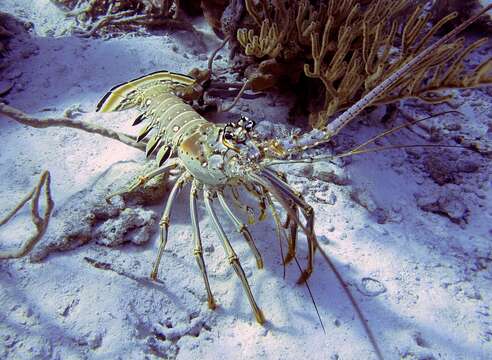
292 239
232 257
241 206
287 198
308 213
292 225
261 199
241 228
278 225
197 251
143 179
164 223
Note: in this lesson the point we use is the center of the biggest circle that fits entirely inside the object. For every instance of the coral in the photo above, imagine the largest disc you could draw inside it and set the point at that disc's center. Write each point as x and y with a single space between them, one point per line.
99 16
87 216
5 33
367 65
266 44
465 9
40 222
25 119
351 47
276 22
447 201
213 11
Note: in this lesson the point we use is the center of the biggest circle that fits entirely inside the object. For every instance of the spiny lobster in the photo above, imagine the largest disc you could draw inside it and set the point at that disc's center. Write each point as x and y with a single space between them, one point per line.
215 158
219 157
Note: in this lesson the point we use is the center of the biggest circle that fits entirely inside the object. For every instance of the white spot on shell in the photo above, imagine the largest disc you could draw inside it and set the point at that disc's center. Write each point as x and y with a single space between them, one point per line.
148 102
176 128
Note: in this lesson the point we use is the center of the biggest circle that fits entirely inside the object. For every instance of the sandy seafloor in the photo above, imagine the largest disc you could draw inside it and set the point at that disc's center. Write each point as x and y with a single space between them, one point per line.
415 254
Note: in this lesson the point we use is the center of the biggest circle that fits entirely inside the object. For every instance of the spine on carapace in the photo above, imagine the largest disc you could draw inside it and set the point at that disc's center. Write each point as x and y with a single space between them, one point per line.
169 118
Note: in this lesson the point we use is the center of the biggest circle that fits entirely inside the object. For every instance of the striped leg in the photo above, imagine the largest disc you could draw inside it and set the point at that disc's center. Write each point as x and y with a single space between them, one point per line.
241 206
164 223
232 257
278 224
288 197
198 251
308 213
261 199
241 228
292 225
143 179
292 238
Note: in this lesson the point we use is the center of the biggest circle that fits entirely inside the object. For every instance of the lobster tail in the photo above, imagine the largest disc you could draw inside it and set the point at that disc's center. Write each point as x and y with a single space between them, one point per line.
133 93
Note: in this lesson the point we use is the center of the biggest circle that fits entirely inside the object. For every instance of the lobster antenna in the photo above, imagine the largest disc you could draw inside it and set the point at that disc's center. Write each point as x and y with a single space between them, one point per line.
363 151
397 128
312 297
214 54
336 125
278 227
281 236
392 147
359 148
355 305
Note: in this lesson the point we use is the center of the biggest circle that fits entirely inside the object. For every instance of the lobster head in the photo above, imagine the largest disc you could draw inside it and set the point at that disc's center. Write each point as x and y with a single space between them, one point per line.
238 136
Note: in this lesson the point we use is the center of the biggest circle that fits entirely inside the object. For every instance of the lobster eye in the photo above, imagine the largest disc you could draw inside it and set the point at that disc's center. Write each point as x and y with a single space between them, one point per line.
228 136
243 121
249 125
